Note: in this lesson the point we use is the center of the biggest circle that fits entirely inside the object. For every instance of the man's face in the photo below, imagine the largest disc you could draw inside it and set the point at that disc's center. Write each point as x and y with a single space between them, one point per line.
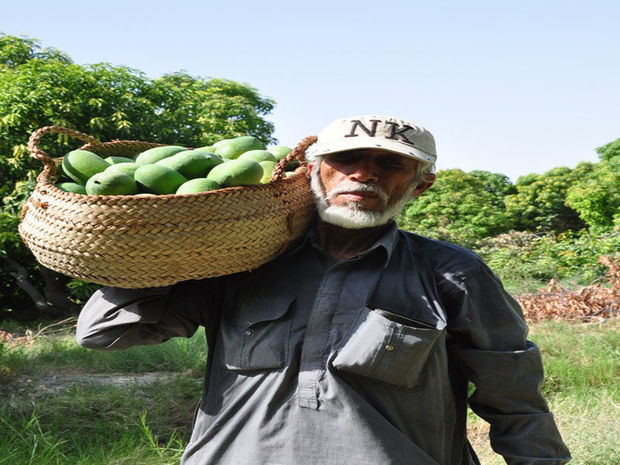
362 188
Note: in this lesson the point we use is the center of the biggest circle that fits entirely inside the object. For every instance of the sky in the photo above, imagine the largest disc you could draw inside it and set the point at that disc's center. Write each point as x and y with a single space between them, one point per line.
504 86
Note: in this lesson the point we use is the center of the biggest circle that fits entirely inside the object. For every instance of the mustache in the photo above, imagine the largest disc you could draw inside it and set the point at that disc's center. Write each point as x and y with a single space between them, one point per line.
354 187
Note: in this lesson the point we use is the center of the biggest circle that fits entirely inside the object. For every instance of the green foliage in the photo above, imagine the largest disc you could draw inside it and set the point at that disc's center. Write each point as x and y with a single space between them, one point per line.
460 207
15 51
596 195
609 151
540 201
519 257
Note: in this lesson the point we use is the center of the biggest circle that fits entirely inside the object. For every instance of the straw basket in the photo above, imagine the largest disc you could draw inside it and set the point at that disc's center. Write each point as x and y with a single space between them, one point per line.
144 241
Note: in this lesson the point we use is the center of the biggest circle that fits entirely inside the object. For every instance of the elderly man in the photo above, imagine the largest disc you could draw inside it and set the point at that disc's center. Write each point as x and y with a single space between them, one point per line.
357 345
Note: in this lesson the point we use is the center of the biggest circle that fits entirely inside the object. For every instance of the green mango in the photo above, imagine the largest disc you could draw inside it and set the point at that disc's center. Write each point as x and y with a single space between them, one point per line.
113 160
237 173
232 148
158 179
220 143
258 155
193 186
268 167
80 165
279 151
192 163
157 153
127 168
69 186
111 183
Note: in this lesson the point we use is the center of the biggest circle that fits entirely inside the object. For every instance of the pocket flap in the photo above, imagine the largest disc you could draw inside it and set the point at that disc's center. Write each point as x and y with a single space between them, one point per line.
261 310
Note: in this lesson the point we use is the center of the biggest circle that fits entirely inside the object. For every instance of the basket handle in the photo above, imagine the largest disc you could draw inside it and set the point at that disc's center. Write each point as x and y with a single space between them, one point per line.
39 154
298 153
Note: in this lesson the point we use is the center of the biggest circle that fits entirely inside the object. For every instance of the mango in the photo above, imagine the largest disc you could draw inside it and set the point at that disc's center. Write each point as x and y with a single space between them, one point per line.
127 168
158 179
111 183
258 155
232 148
112 160
220 142
268 167
237 173
157 153
193 186
80 165
69 186
192 163
279 151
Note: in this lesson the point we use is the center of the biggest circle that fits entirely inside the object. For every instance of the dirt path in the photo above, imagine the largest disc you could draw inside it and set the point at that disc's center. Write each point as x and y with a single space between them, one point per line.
55 383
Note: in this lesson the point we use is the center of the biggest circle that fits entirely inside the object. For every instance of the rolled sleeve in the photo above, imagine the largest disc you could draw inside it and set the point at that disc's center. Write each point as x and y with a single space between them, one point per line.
116 319
490 343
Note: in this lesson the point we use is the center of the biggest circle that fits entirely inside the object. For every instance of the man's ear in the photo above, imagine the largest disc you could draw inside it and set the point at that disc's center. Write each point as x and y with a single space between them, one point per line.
309 170
429 179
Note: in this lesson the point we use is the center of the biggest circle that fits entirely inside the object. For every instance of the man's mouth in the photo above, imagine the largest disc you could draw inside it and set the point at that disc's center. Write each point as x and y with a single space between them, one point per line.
358 195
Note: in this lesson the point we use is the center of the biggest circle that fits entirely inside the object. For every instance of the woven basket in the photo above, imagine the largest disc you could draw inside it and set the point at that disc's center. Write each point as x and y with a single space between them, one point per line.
143 241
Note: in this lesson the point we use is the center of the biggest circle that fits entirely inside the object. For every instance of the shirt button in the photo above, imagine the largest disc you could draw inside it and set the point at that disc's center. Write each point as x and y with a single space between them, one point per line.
248 332
389 348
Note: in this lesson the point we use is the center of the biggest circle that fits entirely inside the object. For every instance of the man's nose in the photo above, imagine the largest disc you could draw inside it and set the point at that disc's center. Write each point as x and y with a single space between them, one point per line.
364 171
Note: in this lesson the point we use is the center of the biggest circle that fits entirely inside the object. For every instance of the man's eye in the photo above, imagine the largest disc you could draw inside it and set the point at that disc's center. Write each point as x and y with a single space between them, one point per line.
344 158
390 163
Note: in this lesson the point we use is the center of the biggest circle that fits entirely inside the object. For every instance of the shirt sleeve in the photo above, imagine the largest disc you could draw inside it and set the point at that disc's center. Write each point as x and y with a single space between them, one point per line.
116 319
489 340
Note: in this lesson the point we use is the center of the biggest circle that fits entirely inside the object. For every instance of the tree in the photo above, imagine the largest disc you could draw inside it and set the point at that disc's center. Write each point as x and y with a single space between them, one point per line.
42 86
595 196
461 207
540 201
609 151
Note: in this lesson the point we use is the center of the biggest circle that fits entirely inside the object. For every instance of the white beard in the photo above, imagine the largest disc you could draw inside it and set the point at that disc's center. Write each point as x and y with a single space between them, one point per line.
351 216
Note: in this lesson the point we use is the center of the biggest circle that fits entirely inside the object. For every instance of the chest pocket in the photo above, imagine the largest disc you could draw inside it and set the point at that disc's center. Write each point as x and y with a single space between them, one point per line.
256 335
388 347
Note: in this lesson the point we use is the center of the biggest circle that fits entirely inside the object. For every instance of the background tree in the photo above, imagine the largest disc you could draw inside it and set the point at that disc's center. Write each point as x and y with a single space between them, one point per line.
540 201
461 207
42 86
595 196
609 151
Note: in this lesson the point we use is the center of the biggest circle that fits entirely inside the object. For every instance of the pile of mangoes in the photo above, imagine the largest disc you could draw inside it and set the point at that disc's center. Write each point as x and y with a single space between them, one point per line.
172 169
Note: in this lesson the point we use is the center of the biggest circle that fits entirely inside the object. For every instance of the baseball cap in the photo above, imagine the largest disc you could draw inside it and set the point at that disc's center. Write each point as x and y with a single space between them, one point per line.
375 131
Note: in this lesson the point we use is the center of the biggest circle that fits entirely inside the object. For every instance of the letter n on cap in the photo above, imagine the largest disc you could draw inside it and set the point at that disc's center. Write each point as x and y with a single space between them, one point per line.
357 123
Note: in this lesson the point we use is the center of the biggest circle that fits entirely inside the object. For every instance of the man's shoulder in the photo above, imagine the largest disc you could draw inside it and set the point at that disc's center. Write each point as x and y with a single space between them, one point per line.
439 254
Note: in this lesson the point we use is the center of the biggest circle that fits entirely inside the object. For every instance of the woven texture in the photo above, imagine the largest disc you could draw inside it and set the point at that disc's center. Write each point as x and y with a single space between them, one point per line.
144 241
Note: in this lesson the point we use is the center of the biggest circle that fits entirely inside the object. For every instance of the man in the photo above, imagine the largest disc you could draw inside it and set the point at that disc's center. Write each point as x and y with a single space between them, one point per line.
357 345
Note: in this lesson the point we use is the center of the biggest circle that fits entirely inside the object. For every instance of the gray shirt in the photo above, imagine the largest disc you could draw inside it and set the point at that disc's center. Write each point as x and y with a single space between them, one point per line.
365 361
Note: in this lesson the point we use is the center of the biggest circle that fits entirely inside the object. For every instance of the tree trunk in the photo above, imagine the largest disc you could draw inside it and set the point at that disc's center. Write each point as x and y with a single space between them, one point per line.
41 303
56 290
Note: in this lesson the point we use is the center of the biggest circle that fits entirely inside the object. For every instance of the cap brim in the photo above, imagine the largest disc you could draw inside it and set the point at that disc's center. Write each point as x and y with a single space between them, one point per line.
370 143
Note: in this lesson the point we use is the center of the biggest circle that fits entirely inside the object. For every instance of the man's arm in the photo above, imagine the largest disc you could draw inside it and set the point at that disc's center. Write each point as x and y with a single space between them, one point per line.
490 342
115 319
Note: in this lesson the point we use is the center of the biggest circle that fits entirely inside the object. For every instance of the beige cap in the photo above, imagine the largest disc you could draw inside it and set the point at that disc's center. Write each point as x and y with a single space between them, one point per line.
372 131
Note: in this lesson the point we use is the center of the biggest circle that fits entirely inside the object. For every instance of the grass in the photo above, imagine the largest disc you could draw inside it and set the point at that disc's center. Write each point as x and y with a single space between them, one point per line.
90 424
581 387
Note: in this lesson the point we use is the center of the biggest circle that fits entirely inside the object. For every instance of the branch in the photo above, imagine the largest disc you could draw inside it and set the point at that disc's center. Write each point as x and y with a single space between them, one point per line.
23 281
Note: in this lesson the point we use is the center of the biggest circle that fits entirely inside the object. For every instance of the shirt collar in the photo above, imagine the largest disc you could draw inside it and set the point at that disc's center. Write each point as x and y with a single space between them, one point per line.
387 241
